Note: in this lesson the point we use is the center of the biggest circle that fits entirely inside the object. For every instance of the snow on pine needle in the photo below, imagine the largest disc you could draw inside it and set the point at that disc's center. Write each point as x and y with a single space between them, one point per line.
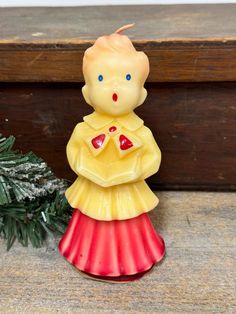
32 202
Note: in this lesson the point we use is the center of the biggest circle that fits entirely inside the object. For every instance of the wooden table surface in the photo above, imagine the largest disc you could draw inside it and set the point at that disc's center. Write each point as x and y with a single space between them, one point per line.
197 275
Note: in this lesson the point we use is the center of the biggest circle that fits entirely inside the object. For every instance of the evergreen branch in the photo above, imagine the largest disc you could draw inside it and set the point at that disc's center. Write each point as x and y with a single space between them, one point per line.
32 202
6 144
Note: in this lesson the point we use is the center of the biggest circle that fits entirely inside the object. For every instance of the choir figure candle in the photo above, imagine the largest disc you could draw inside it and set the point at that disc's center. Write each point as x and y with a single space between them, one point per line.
110 236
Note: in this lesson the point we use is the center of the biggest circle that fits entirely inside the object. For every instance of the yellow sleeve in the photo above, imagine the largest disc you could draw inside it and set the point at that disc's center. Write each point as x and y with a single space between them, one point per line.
73 148
151 157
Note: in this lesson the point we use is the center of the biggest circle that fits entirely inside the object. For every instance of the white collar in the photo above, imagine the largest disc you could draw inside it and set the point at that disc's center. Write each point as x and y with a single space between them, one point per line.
97 120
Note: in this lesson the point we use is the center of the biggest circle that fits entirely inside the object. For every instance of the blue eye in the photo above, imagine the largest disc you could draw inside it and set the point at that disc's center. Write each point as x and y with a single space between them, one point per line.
100 77
128 77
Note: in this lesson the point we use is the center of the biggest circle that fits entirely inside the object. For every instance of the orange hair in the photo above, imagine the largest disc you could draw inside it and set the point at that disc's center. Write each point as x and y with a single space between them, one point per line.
116 43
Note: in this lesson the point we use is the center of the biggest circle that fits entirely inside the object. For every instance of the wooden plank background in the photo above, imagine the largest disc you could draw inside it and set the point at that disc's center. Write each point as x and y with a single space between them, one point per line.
198 274
192 85
194 125
183 42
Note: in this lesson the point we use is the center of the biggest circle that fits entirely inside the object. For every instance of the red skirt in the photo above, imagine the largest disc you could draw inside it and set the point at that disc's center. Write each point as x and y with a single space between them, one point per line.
111 248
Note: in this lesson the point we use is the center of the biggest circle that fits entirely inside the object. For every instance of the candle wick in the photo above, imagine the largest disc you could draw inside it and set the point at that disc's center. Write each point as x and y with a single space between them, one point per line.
123 28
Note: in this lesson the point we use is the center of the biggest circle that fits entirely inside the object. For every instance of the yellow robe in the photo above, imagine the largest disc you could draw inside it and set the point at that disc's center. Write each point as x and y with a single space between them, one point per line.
110 183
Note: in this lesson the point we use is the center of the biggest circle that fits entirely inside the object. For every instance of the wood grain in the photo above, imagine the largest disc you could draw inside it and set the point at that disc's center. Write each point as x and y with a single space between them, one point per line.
183 43
194 125
197 275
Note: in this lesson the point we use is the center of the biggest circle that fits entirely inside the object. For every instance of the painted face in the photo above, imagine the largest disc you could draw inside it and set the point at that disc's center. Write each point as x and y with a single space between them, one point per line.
114 85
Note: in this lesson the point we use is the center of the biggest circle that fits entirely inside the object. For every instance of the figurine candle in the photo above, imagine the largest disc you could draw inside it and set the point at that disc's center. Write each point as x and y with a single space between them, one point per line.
110 235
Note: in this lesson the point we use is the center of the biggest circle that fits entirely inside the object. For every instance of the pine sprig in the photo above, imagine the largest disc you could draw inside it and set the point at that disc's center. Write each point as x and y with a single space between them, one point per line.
32 202
24 176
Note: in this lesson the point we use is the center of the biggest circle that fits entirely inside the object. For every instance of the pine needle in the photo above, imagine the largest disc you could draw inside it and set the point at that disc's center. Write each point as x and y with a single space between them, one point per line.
32 202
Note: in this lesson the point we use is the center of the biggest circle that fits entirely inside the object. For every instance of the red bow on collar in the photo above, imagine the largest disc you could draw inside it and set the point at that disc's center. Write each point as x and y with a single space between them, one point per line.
98 141
125 143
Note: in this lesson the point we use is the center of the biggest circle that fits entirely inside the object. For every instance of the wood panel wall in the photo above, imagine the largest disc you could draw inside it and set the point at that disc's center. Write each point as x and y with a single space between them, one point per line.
193 123
191 105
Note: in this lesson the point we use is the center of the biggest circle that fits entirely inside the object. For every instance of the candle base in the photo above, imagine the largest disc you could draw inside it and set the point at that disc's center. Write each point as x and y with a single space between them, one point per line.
115 279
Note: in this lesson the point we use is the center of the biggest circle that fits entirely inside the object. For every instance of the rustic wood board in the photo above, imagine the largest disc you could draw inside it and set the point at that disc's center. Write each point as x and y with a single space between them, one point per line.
194 125
183 42
198 274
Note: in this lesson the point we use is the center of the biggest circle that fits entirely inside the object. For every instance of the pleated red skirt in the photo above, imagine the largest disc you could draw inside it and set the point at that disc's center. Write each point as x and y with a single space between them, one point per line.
111 248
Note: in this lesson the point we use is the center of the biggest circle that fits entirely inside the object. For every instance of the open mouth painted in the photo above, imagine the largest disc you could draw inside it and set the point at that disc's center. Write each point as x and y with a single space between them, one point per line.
114 97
